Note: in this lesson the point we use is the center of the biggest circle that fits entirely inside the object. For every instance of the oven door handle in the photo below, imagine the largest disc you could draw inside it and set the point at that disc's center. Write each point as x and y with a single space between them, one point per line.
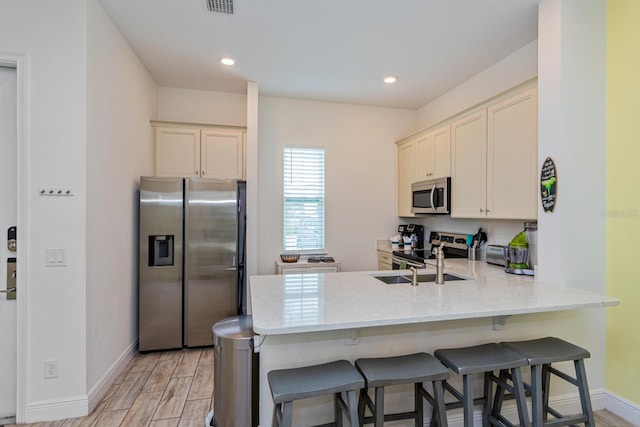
396 260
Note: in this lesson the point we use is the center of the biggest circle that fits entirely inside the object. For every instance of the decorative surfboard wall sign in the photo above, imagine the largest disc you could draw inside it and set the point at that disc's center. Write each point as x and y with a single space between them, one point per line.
548 185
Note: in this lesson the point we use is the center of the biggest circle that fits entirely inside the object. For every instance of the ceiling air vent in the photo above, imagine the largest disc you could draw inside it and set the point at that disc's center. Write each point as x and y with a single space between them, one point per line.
219 6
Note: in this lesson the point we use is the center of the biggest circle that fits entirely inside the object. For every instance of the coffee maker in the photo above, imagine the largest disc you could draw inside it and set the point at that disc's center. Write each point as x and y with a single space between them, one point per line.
409 230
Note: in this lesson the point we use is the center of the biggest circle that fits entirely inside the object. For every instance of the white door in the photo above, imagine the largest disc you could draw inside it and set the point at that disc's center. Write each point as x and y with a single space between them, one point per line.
8 218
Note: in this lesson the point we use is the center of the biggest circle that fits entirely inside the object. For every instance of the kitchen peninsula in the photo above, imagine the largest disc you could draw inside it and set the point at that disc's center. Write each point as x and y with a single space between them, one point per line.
315 318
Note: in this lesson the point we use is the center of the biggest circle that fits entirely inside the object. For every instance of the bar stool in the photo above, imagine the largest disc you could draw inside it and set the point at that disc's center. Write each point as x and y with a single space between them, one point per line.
413 368
334 378
541 353
485 359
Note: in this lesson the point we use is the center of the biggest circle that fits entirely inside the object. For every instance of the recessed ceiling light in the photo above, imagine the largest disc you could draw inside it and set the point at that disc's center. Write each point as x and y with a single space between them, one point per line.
227 60
391 79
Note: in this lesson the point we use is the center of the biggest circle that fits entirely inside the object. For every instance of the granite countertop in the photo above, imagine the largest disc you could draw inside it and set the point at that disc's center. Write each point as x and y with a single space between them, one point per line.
286 304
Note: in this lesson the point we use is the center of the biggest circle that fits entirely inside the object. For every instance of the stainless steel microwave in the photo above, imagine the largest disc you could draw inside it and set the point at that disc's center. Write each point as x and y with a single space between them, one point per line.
431 196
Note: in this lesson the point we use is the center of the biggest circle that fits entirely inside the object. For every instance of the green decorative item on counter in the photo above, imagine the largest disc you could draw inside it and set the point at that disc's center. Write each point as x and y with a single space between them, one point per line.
520 241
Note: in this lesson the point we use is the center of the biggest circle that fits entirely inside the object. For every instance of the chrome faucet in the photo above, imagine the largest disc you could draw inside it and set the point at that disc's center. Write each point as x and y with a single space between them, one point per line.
439 266
414 278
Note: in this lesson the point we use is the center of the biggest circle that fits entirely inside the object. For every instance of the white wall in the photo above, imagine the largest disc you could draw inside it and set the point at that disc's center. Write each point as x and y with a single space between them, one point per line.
572 99
53 36
121 99
361 173
516 68
199 106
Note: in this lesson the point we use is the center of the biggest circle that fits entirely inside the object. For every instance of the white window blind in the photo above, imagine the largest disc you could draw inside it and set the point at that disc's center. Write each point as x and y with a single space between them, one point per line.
303 191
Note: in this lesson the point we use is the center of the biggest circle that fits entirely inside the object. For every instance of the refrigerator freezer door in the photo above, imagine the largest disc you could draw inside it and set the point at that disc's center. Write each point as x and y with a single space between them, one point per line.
211 271
160 268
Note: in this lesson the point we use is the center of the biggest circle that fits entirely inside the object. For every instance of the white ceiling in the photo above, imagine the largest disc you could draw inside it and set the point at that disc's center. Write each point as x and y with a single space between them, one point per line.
330 50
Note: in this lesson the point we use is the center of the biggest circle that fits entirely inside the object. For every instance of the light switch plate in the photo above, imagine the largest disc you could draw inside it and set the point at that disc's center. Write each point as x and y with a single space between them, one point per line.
55 258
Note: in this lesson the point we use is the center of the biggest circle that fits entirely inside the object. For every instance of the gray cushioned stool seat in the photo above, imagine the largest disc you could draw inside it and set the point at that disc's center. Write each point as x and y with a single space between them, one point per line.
334 378
407 369
485 359
541 353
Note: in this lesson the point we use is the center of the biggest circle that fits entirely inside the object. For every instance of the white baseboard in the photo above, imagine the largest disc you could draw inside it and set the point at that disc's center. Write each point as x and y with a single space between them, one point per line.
57 409
101 387
622 408
565 404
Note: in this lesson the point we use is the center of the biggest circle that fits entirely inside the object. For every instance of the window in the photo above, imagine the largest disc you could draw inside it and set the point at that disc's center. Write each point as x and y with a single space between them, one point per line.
303 195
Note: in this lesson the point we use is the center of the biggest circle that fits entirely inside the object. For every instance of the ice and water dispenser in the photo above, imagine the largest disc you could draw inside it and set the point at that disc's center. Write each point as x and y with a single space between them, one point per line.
160 250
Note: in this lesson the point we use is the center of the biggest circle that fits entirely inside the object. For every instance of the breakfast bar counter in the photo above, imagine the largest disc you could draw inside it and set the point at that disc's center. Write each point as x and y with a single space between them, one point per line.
305 319
285 304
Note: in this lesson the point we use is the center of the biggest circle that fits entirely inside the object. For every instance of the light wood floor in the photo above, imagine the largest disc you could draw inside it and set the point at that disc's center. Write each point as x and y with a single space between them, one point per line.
161 389
175 388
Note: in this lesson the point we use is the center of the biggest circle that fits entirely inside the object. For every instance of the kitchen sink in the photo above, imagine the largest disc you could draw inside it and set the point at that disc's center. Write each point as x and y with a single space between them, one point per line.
392 280
432 277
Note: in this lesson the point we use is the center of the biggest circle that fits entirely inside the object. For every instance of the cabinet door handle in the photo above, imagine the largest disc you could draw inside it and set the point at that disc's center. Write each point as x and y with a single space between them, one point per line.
481 210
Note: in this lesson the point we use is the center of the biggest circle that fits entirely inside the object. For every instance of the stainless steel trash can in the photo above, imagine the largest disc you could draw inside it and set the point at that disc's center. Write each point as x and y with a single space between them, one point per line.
235 373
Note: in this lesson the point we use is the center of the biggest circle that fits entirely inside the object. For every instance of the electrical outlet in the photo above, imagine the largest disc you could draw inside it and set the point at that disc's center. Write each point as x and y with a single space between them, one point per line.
51 369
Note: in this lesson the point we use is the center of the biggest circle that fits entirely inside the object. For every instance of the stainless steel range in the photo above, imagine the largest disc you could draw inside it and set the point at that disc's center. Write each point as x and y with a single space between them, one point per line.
454 245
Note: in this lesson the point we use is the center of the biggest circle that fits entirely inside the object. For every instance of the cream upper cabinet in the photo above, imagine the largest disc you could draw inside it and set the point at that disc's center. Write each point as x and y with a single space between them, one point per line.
424 156
406 175
200 152
222 153
469 166
494 160
178 152
433 154
512 157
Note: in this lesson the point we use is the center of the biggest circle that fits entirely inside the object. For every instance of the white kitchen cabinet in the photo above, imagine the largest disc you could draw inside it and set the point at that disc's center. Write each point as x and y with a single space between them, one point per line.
433 154
177 151
512 157
494 160
384 260
426 155
406 175
199 151
469 166
222 153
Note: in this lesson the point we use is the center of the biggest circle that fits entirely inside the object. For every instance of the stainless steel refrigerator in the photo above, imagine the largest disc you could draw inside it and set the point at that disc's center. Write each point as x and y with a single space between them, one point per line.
191 267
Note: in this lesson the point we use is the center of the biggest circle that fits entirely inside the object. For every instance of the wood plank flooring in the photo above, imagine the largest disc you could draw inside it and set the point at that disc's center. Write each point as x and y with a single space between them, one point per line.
163 389
175 389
